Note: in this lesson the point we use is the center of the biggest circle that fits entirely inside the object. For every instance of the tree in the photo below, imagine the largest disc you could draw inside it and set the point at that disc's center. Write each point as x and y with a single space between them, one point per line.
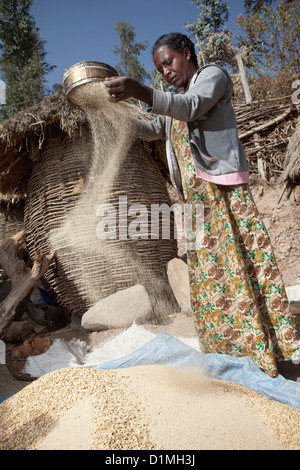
217 43
212 37
129 52
273 35
22 61
253 6
212 18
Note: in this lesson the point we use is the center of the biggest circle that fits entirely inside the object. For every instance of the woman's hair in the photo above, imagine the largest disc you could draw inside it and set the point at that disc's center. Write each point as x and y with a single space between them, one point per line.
178 42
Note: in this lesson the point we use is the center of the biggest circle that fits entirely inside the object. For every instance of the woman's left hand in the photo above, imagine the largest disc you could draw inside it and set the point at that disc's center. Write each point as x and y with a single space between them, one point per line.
122 88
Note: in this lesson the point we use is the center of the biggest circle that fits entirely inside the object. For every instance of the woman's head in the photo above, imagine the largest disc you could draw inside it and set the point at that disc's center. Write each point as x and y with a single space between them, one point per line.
175 58
178 42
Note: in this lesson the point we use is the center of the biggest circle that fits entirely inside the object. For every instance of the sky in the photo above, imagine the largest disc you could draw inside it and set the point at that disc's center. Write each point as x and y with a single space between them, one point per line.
83 30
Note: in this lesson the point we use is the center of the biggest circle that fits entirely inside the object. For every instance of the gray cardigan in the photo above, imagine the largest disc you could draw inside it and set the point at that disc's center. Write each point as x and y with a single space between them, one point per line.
206 107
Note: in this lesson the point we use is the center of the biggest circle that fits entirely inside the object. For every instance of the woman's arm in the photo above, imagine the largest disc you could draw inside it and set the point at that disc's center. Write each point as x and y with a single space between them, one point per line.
121 88
211 85
150 130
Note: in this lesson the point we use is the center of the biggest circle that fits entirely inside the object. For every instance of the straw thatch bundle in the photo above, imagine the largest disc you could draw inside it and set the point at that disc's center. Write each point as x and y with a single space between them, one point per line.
22 137
45 159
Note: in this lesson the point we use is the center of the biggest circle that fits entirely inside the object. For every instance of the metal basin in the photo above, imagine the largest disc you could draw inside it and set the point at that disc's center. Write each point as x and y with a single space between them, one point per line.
84 72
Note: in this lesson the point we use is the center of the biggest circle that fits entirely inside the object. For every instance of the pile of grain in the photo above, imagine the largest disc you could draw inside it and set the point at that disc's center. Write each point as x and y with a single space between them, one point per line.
147 407
73 409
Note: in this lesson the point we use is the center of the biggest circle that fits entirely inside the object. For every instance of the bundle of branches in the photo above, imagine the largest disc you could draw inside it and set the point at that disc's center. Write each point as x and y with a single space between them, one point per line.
265 128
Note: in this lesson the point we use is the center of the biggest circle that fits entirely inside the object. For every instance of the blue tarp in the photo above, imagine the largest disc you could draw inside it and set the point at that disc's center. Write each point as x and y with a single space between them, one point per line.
166 350
4 397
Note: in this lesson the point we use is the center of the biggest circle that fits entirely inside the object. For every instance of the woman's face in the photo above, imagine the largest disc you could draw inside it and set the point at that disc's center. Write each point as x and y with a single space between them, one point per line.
176 67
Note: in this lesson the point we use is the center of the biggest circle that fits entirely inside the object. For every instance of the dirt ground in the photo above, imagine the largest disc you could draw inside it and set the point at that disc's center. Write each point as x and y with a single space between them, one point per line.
283 223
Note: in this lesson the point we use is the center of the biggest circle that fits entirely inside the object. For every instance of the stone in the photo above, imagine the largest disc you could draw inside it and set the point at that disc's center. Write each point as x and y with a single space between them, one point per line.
119 310
177 271
293 294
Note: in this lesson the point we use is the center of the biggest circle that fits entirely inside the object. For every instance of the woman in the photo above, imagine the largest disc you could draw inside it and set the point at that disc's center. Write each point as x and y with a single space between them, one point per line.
238 299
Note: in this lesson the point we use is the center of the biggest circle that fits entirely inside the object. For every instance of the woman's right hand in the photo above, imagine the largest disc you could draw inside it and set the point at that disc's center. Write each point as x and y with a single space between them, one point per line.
122 88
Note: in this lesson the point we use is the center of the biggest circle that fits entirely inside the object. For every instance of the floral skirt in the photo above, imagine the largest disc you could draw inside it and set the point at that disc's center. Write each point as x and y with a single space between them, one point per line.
238 299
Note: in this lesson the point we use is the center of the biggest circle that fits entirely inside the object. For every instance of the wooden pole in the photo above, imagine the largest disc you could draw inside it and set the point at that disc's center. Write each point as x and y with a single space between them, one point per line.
244 78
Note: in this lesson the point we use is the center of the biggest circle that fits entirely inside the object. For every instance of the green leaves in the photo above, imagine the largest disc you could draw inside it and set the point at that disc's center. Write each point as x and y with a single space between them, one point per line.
212 18
22 61
129 51
212 37
273 34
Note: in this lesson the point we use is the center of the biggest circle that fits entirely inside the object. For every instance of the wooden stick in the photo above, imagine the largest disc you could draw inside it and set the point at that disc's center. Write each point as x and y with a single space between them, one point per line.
23 279
244 78
267 124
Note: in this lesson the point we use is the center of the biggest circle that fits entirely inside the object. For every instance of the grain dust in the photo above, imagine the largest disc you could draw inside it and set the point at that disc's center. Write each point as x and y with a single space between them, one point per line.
112 135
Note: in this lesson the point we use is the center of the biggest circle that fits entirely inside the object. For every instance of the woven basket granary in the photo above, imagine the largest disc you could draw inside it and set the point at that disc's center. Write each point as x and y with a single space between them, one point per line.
57 181
46 152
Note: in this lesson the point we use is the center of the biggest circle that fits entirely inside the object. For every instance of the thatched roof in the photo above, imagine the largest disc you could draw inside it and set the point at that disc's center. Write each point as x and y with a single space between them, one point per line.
22 137
53 109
